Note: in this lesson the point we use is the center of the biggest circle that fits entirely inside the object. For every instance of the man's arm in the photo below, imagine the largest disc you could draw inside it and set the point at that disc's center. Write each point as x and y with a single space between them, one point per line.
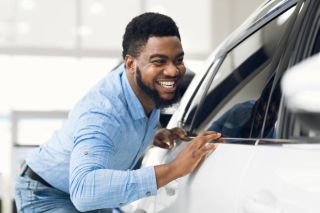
187 160
94 181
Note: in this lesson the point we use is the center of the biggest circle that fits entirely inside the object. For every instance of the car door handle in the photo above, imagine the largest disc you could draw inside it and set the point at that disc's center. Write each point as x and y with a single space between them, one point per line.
171 188
254 207
263 202
140 211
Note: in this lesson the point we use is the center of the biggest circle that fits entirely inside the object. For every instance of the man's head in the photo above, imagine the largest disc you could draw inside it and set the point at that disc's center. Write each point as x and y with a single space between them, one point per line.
142 27
153 57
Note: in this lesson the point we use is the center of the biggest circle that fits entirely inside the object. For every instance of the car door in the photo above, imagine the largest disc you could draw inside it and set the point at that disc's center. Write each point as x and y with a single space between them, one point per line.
238 76
284 174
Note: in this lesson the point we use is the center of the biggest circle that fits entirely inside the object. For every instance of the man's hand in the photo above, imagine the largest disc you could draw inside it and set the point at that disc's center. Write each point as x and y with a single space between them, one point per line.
188 159
165 138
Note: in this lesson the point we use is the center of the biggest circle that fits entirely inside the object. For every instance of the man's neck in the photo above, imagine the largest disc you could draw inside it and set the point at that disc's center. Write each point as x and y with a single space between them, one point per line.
144 99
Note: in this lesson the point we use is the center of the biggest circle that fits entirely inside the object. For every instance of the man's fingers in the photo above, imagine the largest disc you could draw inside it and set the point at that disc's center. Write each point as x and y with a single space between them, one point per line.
178 133
220 140
207 148
208 132
204 150
165 143
213 136
169 144
206 137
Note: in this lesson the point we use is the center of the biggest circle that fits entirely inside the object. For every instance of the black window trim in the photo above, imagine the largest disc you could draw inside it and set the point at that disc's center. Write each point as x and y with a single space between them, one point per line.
305 39
273 63
201 83
257 25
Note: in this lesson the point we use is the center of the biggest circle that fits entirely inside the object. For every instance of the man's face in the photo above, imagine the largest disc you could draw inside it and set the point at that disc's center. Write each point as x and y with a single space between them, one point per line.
160 69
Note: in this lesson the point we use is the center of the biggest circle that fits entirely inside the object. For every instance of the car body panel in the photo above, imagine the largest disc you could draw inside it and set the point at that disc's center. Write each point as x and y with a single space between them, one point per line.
227 159
282 179
264 176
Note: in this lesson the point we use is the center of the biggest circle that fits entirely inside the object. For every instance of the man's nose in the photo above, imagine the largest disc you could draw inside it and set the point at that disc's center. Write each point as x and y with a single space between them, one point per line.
171 70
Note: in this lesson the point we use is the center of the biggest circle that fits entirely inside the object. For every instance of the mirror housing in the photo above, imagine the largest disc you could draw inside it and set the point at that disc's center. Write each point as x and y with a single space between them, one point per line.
301 91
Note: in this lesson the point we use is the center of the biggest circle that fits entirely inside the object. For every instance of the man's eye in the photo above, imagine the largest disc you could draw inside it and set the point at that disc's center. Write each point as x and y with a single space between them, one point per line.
158 62
179 61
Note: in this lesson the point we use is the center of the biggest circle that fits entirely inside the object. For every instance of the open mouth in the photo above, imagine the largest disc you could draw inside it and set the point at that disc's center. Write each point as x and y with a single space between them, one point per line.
167 89
167 84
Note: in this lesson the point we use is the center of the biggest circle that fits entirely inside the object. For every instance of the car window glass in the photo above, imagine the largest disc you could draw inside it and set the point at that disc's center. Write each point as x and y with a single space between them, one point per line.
316 47
243 77
196 98
267 118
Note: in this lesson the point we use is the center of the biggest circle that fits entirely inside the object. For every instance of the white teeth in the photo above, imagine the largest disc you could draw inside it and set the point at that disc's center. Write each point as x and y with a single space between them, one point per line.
167 84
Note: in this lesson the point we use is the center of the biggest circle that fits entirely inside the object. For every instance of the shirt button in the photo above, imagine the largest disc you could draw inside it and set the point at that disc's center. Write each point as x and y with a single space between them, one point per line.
85 152
148 194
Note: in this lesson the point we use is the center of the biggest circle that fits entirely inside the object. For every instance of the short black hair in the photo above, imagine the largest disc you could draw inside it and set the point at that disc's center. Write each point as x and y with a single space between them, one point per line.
144 26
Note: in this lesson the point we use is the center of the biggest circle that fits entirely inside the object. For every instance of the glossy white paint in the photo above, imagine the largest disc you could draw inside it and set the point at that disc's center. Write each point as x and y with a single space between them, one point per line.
282 179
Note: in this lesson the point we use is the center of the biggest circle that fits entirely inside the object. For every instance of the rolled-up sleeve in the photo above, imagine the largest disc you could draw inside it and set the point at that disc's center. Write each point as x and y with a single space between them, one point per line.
93 182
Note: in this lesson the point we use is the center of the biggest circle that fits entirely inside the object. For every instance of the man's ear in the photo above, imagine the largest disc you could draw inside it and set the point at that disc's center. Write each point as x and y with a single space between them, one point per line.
130 63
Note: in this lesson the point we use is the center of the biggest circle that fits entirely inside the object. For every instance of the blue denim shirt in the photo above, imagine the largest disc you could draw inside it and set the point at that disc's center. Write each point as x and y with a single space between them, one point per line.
92 154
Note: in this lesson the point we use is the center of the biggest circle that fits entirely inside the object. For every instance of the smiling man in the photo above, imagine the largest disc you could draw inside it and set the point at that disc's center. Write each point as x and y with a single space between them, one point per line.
157 71
87 164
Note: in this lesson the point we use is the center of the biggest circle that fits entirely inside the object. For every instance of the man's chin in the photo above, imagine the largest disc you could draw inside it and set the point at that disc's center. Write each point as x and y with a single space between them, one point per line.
164 102
168 97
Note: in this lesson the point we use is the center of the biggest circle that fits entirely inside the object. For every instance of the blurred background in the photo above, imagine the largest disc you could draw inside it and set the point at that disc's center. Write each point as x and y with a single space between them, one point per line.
52 52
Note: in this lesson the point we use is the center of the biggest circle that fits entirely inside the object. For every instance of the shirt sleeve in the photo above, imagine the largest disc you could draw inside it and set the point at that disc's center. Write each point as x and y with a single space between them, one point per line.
92 182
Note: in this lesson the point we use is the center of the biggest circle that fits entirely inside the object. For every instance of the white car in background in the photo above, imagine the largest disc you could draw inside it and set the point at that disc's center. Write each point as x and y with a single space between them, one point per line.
268 112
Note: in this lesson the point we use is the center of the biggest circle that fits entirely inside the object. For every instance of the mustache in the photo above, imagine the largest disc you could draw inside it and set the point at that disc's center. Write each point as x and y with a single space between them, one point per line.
154 95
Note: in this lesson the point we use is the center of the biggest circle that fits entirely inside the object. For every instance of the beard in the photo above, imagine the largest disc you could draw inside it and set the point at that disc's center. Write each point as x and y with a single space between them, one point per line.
154 95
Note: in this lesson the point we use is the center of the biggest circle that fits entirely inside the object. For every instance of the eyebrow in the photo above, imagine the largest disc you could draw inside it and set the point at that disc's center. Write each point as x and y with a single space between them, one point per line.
164 56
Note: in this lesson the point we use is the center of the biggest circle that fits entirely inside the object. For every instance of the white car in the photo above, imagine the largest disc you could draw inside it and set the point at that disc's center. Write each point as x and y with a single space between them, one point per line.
270 160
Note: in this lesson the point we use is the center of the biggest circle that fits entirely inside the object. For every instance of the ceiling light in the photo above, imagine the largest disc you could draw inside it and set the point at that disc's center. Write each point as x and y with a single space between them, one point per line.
27 4
96 8
158 9
84 31
23 28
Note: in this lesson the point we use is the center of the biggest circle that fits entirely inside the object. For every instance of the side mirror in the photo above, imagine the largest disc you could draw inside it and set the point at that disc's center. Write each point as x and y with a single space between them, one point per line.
301 91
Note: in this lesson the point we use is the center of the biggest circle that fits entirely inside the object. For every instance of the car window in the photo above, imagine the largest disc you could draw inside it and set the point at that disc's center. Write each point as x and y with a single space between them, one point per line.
316 46
198 95
243 79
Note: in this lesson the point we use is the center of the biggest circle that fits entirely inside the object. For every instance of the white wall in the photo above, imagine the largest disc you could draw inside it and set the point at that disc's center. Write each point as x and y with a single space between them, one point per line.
95 27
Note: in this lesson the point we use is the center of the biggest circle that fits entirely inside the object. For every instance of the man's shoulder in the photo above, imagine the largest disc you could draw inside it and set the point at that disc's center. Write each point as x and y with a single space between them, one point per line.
110 87
106 94
112 80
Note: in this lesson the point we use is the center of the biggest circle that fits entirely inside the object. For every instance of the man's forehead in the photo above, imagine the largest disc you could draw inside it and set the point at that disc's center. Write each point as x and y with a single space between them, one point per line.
161 39
163 46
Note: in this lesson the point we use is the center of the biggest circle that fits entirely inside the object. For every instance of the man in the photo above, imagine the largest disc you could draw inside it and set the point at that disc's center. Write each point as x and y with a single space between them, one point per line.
86 165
